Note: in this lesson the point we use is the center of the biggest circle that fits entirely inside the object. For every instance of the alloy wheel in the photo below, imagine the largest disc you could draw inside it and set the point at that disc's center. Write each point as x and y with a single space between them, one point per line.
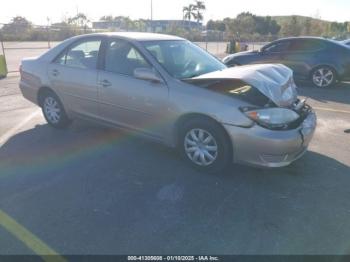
323 77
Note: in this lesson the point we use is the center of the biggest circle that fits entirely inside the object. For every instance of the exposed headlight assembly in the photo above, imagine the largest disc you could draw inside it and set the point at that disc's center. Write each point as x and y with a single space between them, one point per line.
272 117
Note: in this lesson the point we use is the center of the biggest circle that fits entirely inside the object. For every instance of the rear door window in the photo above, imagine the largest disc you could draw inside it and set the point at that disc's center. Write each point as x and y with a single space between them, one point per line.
82 55
306 45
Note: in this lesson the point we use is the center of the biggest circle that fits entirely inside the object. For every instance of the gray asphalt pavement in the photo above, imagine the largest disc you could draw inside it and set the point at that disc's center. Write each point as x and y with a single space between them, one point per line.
95 190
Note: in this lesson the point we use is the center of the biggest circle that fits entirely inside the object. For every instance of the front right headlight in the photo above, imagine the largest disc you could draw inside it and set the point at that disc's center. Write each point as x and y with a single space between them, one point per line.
272 117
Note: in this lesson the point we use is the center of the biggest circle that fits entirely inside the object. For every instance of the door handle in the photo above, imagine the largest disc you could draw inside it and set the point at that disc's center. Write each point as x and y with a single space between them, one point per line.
55 72
105 83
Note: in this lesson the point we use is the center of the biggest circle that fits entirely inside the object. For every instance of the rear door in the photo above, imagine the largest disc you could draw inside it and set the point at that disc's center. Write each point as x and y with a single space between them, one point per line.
302 55
125 100
73 75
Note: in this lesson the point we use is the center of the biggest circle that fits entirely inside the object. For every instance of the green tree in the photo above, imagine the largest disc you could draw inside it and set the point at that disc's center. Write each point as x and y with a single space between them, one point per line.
19 28
216 25
292 27
140 25
337 30
124 23
62 30
80 20
273 27
247 26
189 12
307 27
318 28
199 8
108 18
243 25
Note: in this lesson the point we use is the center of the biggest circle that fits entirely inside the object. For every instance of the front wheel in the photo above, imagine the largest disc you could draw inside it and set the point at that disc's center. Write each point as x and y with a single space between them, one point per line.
53 110
323 76
205 145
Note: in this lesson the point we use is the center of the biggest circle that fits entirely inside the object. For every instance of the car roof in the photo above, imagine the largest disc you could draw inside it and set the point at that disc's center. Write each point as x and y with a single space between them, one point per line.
303 38
309 38
131 36
138 36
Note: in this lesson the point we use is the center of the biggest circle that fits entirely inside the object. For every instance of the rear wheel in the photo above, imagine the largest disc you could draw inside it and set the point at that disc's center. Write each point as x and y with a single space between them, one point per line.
323 76
204 144
53 110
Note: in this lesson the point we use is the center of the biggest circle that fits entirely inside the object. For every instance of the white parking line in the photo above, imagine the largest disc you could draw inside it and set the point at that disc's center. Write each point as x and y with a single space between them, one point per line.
331 110
13 130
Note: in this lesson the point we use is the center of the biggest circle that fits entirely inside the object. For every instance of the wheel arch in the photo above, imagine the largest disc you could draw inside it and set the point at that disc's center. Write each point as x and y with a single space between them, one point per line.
335 70
43 90
190 116
65 118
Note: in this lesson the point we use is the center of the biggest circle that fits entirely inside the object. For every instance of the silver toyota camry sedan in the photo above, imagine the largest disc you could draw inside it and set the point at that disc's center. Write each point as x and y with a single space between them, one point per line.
170 90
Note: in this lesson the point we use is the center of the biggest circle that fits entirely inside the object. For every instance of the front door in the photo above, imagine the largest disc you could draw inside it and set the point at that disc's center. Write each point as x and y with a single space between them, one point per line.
128 101
274 52
302 53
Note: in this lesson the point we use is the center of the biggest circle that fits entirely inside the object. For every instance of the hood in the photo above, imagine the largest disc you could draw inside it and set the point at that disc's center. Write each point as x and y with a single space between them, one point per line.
274 81
239 54
245 53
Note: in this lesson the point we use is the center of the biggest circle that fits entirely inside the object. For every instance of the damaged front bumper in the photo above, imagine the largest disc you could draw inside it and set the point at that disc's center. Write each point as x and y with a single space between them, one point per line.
271 148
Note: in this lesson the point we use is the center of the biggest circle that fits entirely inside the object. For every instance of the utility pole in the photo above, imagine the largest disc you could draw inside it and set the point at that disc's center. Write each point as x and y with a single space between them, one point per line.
151 10
48 33
151 23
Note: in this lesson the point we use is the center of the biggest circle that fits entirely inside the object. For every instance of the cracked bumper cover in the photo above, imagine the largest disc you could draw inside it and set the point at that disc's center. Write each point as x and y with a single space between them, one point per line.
271 148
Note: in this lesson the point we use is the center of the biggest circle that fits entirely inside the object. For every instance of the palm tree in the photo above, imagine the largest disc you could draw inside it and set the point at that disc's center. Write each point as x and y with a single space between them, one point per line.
79 20
199 7
188 13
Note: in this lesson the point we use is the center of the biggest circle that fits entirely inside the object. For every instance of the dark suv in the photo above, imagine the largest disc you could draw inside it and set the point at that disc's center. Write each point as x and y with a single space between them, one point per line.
317 59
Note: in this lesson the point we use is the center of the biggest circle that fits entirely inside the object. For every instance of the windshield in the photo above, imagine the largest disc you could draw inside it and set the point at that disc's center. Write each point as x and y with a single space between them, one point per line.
182 59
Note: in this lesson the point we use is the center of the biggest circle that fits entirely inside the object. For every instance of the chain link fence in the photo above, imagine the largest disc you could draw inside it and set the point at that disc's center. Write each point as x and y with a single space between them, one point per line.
22 39
14 51
14 45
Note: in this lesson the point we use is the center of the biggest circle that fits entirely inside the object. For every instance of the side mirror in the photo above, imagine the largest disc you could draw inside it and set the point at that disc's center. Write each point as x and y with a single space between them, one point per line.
147 74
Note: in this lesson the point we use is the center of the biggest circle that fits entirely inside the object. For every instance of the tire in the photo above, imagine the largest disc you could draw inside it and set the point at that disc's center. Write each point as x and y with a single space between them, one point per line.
202 154
323 77
53 110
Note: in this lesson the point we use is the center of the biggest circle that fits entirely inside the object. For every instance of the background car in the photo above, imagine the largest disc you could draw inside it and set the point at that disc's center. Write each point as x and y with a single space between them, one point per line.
172 91
346 42
322 61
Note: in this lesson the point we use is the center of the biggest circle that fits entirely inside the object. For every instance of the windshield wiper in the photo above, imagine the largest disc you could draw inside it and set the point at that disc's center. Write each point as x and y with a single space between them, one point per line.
192 76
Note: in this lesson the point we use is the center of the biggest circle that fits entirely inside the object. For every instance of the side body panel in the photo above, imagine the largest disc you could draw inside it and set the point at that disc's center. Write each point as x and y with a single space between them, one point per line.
133 103
76 87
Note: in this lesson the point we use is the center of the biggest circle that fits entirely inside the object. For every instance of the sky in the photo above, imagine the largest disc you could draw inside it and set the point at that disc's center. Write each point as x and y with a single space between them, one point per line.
38 11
